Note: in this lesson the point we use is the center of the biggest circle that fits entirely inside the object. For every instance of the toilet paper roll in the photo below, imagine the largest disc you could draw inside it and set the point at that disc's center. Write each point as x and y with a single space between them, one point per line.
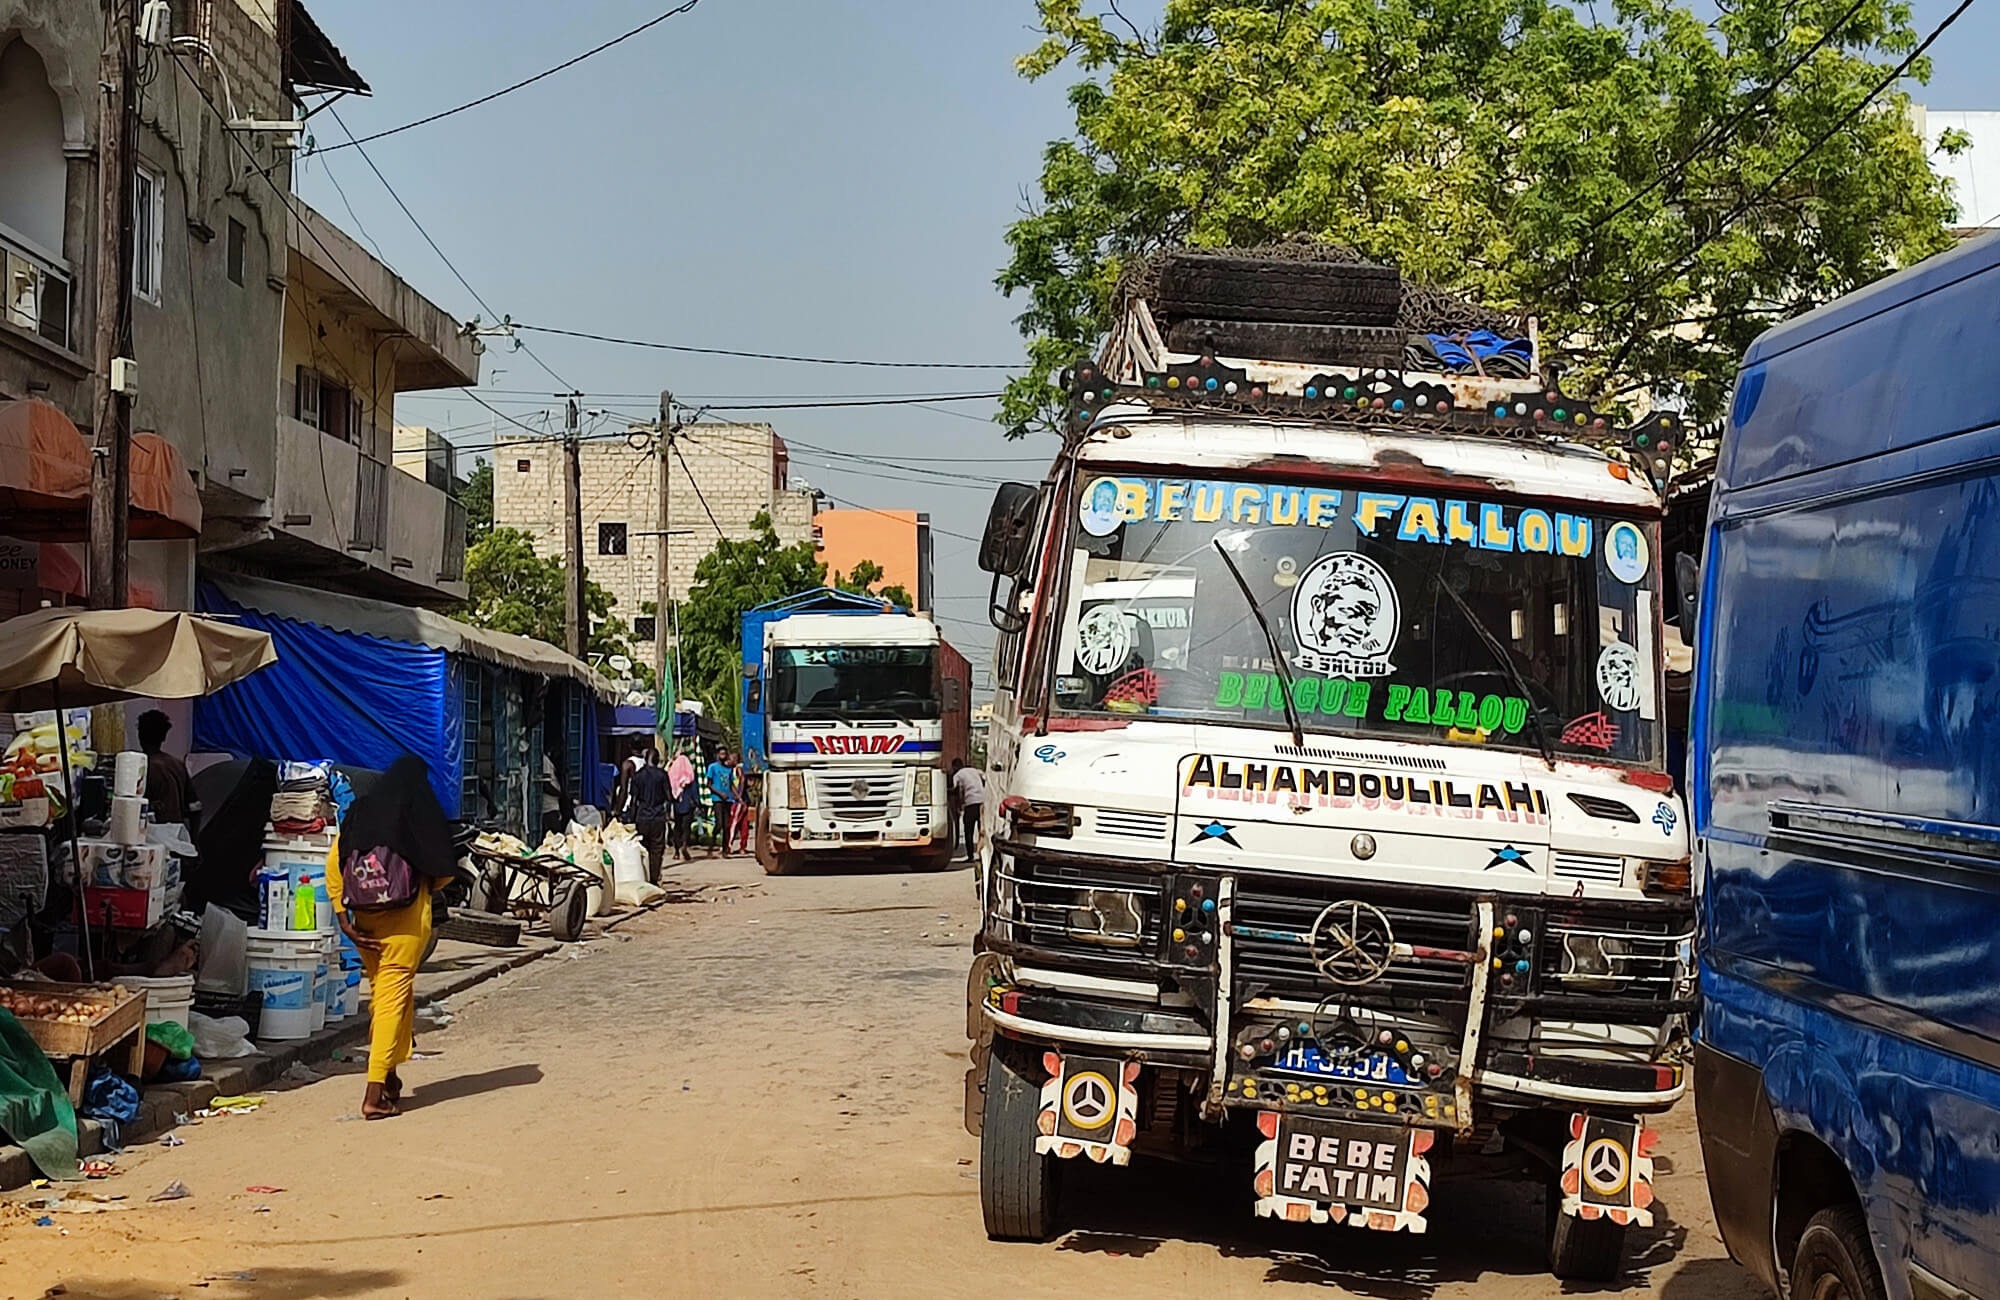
128 775
128 820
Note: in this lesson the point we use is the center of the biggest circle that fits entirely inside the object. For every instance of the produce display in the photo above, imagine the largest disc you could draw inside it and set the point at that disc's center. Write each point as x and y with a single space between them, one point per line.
64 1008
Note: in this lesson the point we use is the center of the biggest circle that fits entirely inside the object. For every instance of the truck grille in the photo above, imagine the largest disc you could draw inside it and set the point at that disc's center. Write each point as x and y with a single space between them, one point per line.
1086 910
858 796
1119 824
1589 955
1602 868
1271 941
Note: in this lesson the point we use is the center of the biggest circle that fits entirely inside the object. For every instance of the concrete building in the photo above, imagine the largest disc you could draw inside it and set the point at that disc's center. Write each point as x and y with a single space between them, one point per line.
897 541
728 471
234 297
1974 173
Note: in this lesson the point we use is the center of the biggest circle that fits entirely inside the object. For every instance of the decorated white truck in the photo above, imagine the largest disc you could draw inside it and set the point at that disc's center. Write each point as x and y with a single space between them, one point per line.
854 723
1328 829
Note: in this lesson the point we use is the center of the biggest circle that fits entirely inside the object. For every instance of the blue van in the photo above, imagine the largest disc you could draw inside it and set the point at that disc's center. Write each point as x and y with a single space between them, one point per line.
1845 785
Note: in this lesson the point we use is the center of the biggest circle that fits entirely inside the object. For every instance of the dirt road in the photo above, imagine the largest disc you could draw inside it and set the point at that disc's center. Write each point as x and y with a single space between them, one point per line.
757 1094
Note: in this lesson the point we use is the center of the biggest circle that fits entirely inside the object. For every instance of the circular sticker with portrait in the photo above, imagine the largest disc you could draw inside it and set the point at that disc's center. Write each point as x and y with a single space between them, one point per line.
1618 676
1098 512
1626 553
1103 639
1345 612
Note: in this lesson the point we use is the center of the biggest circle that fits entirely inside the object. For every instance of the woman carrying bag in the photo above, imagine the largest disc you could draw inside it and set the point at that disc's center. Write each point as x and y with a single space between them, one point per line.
393 851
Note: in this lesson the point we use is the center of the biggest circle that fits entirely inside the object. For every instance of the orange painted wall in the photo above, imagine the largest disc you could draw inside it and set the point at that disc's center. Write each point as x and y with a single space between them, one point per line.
887 537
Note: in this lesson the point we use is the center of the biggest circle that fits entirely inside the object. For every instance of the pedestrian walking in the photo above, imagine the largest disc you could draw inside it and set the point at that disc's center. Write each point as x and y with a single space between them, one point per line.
968 792
169 789
393 851
739 825
686 792
651 793
722 793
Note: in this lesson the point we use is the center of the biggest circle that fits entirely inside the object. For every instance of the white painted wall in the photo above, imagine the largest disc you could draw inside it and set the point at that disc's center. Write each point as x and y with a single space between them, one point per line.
31 157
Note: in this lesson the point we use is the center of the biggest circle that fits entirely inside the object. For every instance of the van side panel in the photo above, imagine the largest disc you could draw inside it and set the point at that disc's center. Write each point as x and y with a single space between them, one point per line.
1851 632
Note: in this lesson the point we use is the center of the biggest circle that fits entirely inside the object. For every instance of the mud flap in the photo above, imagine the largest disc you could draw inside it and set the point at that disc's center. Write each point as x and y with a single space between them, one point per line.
1090 1107
1306 1155
1607 1170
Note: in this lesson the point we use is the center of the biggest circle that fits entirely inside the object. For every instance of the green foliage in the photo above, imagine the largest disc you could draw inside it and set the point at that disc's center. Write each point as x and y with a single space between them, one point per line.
477 498
737 575
861 582
512 589
1502 148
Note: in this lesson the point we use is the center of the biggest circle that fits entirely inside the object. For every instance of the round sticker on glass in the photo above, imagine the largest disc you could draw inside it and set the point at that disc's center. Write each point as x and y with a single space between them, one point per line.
1618 676
1625 552
1103 639
1098 512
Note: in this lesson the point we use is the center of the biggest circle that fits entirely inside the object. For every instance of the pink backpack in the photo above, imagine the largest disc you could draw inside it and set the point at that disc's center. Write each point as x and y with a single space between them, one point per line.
376 881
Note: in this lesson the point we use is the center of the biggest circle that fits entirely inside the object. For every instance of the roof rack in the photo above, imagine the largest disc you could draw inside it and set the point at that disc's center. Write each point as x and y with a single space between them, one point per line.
1137 366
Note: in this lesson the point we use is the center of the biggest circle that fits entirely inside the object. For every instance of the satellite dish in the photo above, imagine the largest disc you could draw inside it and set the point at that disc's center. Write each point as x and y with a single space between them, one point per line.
621 663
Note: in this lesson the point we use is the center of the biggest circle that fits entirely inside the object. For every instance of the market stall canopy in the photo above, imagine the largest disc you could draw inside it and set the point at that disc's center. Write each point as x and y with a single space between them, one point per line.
409 625
97 656
165 503
44 468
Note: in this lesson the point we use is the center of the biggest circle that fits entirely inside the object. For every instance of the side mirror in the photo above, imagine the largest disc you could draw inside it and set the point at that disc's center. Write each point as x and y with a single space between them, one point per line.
753 696
1687 577
1010 527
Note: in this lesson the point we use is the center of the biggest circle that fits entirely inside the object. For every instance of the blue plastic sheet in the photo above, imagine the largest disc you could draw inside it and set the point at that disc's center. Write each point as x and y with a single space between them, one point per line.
359 700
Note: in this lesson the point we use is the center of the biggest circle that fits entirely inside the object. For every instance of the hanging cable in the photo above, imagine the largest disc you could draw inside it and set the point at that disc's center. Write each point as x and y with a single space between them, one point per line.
772 356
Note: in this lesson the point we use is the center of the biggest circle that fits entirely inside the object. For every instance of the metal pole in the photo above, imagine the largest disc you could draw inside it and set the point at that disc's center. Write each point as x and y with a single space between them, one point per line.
111 474
575 616
75 828
665 676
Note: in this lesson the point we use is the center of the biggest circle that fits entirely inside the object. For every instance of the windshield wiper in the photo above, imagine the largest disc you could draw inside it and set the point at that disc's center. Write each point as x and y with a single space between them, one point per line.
1271 640
1506 662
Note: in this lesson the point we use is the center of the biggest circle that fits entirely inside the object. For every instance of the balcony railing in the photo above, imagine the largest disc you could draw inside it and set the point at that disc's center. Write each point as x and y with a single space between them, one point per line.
34 292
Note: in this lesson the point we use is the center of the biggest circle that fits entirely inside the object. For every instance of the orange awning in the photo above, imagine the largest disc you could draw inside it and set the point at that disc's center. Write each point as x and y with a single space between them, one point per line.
164 501
44 469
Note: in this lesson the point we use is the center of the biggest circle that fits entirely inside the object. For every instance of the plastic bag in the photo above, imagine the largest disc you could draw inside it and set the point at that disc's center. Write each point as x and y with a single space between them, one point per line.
628 861
587 816
219 1040
225 940
178 1042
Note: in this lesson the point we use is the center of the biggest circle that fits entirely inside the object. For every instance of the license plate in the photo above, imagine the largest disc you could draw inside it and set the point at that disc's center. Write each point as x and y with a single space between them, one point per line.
1318 1170
1307 1059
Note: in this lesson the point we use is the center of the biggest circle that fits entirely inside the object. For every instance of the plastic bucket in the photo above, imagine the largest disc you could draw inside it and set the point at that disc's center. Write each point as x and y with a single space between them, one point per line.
167 999
322 983
284 971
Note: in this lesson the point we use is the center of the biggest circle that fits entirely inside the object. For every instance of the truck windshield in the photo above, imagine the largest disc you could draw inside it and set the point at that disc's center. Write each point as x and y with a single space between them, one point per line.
1353 581
871 681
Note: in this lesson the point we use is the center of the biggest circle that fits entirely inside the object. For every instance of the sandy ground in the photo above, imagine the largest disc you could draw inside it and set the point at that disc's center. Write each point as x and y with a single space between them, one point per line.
756 1094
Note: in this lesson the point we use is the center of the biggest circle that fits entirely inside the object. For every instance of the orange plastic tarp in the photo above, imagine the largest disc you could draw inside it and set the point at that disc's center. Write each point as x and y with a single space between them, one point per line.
164 501
44 466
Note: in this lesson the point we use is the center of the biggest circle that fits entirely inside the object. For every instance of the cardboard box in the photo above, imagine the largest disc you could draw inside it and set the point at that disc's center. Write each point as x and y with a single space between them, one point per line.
131 909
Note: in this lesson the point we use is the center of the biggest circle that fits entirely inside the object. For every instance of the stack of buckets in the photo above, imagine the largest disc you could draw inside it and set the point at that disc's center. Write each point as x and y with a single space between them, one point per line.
298 959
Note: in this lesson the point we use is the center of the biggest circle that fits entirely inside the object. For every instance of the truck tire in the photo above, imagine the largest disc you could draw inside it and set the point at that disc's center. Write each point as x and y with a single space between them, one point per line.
1260 289
768 857
1017 1187
1834 1260
1583 1250
1334 345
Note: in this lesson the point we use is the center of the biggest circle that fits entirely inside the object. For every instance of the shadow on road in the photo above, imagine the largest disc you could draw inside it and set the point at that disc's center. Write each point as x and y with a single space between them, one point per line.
471 1085
261 1283
1476 1231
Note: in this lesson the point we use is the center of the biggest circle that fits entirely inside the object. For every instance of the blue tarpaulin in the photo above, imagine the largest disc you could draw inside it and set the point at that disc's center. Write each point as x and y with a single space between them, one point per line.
356 699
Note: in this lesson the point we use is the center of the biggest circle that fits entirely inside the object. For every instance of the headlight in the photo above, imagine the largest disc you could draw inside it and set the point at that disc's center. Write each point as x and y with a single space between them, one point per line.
1592 962
1110 917
795 789
1673 878
924 784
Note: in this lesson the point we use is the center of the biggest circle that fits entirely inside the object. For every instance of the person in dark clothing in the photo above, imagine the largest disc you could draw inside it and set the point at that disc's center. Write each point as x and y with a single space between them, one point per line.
168 786
651 794
230 844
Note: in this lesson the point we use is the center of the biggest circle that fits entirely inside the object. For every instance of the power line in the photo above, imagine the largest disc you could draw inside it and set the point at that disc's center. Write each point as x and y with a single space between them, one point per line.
693 399
508 90
878 401
771 356
449 265
696 485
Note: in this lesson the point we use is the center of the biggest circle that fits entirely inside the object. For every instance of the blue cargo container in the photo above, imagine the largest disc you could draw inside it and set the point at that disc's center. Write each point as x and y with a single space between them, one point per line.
1845 784
820 600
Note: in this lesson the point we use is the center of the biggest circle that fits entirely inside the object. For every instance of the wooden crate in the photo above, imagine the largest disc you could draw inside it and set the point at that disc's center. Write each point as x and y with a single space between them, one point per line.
120 1024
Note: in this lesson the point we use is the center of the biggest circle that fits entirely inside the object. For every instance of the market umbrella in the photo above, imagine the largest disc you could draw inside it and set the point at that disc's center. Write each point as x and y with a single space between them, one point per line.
64 658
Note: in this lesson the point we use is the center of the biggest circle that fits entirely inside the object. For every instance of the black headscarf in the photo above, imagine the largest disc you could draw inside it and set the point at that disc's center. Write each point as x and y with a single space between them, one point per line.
402 814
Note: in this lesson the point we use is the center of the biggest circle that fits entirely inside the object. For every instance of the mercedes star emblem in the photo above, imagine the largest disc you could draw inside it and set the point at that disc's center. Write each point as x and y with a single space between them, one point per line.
1352 942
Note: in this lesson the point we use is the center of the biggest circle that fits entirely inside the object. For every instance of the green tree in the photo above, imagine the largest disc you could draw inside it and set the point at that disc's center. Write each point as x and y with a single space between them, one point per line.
509 588
477 498
861 580
1656 188
737 575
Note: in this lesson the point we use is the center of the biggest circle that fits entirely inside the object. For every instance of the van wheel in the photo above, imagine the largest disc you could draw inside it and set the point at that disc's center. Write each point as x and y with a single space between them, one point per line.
1834 1260
1017 1186
1583 1250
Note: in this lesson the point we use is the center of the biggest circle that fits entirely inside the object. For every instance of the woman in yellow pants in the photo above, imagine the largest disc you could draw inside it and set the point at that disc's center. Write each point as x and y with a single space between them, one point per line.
402 814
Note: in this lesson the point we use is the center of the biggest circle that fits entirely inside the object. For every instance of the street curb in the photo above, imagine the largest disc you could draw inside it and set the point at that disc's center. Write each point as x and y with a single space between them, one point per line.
160 1104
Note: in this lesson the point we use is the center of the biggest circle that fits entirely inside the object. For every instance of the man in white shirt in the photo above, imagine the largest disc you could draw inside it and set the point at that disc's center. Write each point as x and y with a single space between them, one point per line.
969 793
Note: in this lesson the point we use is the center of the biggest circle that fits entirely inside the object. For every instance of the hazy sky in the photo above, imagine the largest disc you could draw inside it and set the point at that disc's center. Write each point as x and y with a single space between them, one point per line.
823 177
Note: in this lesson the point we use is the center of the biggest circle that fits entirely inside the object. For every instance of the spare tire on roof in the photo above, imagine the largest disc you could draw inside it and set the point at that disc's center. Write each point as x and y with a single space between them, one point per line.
1221 286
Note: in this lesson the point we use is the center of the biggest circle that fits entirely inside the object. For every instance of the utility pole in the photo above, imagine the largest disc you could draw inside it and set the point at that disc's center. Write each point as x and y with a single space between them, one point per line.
576 617
663 598
111 465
